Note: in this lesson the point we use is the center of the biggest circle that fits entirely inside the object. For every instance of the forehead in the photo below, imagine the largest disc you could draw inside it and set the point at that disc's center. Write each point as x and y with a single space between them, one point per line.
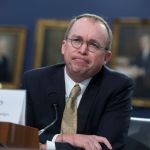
89 27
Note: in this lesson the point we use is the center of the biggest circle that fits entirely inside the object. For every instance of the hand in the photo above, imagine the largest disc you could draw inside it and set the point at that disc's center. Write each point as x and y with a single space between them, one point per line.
42 146
87 142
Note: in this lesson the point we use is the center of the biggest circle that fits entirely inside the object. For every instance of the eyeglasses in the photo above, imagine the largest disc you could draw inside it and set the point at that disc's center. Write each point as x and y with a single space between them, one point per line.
92 45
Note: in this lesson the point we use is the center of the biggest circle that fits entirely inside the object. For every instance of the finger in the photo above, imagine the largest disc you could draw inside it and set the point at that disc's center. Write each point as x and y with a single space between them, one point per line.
86 146
95 144
104 140
43 147
92 145
89 143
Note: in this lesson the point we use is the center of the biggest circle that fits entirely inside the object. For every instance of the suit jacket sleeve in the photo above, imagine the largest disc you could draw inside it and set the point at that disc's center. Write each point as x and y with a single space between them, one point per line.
114 123
30 115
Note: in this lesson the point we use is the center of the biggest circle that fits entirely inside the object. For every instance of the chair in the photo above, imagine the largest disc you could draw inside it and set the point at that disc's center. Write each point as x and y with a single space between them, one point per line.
138 135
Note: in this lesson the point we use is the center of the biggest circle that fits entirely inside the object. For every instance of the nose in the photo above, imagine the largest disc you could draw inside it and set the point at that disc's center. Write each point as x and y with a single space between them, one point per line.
84 48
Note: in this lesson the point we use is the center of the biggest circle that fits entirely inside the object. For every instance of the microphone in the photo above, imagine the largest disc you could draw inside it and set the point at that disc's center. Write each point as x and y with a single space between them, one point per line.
51 124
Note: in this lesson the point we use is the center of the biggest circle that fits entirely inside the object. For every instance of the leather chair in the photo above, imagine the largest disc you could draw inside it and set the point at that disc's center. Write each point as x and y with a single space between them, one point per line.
138 135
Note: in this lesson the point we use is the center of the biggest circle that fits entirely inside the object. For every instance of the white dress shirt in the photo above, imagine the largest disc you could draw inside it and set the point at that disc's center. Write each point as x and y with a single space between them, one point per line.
69 84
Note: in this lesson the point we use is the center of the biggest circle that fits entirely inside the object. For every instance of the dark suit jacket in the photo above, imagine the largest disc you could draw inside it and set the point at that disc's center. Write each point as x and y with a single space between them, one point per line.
104 108
142 82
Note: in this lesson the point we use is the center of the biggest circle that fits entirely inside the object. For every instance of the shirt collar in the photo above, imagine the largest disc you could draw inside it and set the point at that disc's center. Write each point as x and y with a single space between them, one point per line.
69 84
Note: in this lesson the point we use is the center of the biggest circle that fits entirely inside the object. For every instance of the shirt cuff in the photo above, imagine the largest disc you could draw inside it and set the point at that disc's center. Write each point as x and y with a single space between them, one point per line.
54 138
50 145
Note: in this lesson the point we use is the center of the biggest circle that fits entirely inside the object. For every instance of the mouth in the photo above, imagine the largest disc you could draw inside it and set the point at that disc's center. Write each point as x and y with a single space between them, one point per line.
80 61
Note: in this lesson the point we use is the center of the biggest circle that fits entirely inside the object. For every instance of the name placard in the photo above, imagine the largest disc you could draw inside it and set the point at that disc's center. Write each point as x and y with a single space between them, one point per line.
12 106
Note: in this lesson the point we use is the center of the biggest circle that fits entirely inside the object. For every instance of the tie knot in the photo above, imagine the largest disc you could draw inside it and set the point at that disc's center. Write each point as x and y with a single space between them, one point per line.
75 91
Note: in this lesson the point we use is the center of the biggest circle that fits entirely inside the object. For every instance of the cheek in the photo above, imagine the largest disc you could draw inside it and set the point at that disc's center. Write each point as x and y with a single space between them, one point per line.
98 59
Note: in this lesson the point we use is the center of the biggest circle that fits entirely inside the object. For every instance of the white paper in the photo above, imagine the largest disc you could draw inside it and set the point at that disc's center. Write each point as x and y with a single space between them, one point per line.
12 106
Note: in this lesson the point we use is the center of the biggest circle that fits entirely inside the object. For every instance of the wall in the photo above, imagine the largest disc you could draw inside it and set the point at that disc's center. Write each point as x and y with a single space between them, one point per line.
27 12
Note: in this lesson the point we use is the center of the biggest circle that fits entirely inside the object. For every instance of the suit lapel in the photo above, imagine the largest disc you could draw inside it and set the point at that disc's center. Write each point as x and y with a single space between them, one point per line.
88 100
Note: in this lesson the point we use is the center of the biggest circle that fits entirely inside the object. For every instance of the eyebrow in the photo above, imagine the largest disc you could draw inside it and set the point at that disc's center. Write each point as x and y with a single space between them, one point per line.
92 40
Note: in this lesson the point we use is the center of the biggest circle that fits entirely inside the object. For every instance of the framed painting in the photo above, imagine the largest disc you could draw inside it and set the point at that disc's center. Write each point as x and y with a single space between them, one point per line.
49 35
131 49
12 45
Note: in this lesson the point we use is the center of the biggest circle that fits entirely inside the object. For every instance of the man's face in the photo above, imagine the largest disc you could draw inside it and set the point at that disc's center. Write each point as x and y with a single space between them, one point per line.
80 62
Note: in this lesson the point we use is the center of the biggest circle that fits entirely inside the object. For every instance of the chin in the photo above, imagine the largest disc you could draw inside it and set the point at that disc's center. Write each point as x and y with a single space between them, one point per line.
78 68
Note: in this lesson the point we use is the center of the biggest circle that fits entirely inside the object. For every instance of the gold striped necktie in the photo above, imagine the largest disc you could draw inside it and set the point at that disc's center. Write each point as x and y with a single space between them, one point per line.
69 120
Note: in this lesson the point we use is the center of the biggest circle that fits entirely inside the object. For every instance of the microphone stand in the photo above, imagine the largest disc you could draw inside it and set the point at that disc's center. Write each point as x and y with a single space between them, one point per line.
51 124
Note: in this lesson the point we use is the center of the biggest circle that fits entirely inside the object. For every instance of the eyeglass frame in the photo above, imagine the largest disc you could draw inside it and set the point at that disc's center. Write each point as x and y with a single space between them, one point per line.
99 47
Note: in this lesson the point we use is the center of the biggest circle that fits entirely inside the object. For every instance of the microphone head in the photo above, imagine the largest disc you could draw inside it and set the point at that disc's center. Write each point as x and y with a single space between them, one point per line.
54 105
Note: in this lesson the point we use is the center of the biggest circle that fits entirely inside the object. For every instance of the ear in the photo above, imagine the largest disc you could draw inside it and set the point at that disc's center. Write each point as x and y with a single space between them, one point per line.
108 56
63 47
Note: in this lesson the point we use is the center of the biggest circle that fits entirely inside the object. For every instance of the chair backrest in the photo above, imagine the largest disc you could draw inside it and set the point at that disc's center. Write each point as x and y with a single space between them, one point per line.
139 134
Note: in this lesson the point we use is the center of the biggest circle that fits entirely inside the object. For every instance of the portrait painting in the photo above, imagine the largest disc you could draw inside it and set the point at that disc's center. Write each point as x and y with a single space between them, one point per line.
49 36
12 43
131 50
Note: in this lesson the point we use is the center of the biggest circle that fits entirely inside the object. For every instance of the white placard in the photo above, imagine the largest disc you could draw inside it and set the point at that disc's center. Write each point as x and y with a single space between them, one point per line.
12 106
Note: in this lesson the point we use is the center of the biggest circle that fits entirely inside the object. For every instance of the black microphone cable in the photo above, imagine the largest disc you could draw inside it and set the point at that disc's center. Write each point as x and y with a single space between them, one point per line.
51 124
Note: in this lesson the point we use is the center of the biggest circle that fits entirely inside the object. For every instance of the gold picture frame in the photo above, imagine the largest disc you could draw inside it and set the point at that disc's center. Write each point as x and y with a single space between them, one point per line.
12 46
131 41
48 38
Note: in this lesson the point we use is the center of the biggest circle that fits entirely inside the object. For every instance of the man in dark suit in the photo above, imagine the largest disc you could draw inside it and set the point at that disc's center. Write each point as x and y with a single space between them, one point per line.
142 63
4 66
103 105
